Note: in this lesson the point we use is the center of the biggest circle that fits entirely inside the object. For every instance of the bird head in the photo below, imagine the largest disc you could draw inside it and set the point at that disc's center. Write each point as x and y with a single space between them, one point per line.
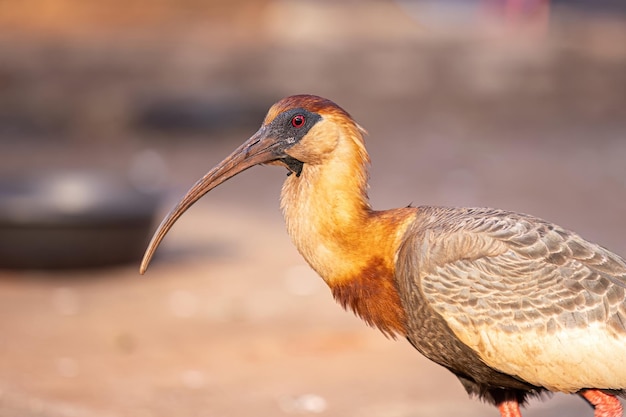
297 130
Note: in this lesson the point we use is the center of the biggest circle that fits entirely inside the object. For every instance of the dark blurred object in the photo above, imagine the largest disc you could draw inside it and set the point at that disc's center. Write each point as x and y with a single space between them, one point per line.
594 6
197 114
72 220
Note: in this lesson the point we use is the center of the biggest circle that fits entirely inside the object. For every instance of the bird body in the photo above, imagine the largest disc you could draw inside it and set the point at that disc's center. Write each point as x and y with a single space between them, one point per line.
530 299
511 304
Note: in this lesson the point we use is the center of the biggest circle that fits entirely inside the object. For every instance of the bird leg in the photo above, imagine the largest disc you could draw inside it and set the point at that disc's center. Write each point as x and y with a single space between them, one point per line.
509 408
605 405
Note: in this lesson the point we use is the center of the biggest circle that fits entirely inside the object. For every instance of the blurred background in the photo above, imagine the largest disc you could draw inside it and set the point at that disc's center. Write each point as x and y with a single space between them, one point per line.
110 110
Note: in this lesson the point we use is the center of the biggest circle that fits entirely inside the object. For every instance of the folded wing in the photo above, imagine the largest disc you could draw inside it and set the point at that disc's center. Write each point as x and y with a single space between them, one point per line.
531 299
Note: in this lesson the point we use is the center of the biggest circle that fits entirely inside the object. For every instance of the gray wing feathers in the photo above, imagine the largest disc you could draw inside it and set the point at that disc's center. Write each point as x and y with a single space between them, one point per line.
512 271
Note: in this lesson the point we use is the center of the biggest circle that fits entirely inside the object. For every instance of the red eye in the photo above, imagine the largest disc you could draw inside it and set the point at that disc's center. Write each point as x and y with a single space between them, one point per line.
298 121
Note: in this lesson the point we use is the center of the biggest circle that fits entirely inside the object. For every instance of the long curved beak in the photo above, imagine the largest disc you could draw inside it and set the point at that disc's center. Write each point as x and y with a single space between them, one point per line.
259 149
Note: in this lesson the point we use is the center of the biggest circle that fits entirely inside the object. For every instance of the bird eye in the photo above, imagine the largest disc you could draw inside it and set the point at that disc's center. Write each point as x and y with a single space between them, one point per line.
298 121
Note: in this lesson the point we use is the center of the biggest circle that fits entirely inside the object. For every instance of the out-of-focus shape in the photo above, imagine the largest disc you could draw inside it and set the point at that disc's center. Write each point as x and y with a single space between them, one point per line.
72 220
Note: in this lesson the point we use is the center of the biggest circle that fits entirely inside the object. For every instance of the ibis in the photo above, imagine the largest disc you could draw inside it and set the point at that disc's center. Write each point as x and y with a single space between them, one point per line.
513 305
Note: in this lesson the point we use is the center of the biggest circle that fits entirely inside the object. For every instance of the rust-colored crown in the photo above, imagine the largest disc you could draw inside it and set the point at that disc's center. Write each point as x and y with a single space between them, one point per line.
314 104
